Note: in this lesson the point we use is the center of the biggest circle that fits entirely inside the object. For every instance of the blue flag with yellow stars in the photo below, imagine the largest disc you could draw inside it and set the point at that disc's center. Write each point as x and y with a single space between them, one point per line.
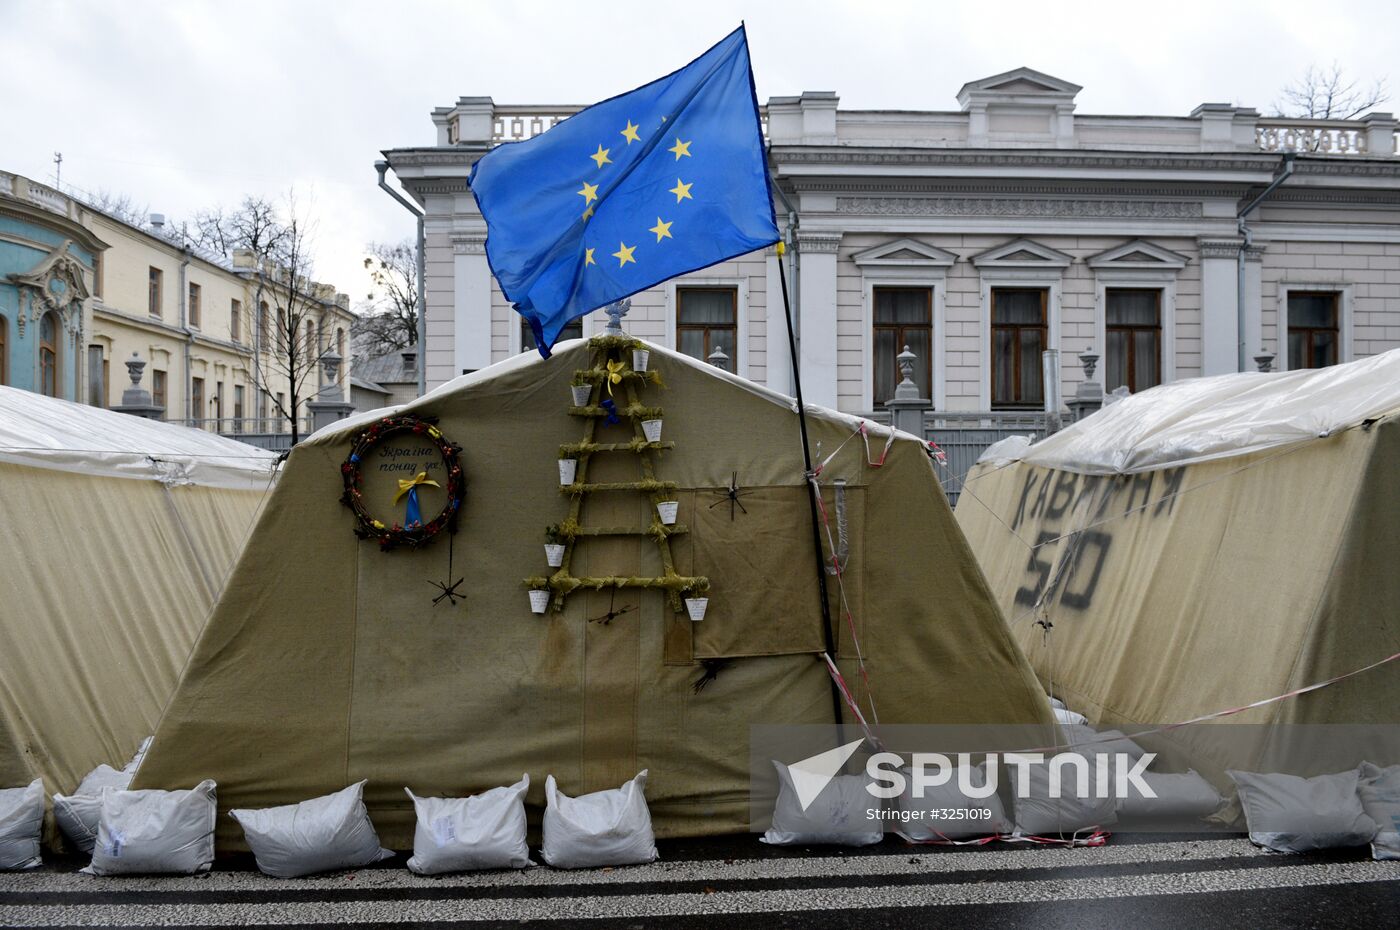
629 192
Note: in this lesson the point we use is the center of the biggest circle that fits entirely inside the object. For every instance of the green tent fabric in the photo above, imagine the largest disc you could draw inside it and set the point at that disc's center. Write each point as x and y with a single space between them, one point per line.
326 660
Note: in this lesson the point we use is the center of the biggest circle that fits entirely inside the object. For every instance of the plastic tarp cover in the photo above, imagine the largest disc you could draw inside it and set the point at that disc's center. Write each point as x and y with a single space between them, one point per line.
1202 419
44 432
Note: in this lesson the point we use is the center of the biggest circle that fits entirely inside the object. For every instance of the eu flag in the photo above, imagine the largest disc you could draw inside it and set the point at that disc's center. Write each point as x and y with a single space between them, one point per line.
629 192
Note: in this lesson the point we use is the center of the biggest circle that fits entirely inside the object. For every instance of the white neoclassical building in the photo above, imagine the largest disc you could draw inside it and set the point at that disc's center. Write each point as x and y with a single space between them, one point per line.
980 237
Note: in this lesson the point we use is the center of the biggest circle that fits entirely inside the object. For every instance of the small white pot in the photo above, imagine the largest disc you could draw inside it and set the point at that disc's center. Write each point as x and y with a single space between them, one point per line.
554 554
539 600
568 468
695 606
640 358
582 393
667 511
652 430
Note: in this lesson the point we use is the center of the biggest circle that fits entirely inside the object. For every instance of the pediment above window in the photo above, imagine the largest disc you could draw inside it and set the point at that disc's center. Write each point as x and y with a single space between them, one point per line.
1138 255
1022 253
904 253
1020 85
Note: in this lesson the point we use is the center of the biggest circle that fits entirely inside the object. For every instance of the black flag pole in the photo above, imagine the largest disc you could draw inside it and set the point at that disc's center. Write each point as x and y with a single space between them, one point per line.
812 490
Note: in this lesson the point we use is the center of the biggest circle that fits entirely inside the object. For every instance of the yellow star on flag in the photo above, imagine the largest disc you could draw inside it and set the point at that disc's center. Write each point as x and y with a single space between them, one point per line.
587 213
624 254
601 156
630 133
588 257
681 190
662 230
680 148
589 192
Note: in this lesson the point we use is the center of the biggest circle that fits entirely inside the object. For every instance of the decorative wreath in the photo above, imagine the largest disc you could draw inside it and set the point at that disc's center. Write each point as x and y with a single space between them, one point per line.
415 534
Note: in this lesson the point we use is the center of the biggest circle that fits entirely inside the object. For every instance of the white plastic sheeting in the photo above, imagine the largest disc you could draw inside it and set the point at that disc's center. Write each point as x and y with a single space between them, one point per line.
1201 419
44 432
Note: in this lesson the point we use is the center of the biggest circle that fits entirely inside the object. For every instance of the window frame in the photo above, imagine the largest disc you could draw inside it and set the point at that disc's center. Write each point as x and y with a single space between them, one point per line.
155 292
159 382
194 306
235 320
197 401
1285 342
706 328
527 335
900 342
1045 330
53 364
1159 329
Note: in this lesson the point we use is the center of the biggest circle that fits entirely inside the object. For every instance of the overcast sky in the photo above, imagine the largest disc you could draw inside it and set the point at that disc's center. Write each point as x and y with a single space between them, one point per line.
191 104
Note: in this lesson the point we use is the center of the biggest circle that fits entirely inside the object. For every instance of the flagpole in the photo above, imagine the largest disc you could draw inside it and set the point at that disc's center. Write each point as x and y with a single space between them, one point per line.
811 489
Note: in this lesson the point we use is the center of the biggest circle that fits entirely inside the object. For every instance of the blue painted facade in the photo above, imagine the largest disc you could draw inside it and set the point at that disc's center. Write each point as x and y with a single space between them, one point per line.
45 272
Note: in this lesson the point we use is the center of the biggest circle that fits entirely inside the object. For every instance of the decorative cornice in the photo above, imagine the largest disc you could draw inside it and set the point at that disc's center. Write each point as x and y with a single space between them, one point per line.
1023 206
468 243
1219 248
814 242
1008 158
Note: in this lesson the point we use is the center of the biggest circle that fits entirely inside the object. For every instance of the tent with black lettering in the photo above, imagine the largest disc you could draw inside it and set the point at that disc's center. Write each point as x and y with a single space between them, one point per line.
415 660
1207 544
116 534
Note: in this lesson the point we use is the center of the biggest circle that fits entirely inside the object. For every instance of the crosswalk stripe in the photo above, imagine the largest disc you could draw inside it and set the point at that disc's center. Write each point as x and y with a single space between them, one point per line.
575 907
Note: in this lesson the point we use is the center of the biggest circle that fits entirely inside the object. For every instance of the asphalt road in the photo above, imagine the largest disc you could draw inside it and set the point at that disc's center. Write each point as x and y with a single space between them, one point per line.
1140 881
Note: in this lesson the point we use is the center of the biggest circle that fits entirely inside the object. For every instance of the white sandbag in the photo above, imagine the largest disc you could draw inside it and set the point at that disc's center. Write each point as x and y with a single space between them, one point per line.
1074 809
1087 741
21 823
484 831
1287 813
1179 797
604 828
1056 703
1062 715
320 835
77 813
1379 790
946 812
153 832
836 817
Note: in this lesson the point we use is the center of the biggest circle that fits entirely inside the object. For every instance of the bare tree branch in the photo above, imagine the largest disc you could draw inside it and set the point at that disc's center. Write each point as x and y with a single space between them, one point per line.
1329 94
388 321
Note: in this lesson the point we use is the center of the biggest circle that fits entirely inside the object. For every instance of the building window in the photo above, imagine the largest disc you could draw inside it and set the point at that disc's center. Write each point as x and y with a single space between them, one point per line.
1019 336
194 305
219 406
238 408
264 324
97 377
158 387
280 412
48 355
1133 330
235 321
903 316
340 344
1313 337
197 400
153 291
572 330
707 318
4 350
97 274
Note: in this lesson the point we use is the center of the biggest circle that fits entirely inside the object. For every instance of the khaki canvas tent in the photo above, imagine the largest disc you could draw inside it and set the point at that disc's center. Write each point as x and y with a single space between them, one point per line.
329 660
116 534
1204 545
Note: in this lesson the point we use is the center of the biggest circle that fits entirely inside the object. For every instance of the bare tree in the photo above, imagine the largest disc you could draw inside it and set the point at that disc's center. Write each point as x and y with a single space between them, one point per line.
296 345
121 206
389 320
256 225
1329 94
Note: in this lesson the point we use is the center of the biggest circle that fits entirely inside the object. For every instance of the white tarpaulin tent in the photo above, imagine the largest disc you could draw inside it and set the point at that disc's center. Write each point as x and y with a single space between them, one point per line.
116 534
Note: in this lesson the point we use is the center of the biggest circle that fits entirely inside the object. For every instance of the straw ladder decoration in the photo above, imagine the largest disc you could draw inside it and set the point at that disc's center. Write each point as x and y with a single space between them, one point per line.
563 583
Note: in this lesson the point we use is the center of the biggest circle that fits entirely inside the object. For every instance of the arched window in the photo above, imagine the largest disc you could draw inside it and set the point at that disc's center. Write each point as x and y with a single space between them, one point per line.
340 342
4 350
48 355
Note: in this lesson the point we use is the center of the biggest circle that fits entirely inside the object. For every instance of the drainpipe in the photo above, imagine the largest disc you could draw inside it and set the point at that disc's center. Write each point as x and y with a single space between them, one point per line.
184 327
1285 170
383 166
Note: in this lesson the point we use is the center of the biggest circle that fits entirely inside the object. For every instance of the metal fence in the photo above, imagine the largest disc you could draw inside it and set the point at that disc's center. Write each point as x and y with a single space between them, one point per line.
274 433
963 437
